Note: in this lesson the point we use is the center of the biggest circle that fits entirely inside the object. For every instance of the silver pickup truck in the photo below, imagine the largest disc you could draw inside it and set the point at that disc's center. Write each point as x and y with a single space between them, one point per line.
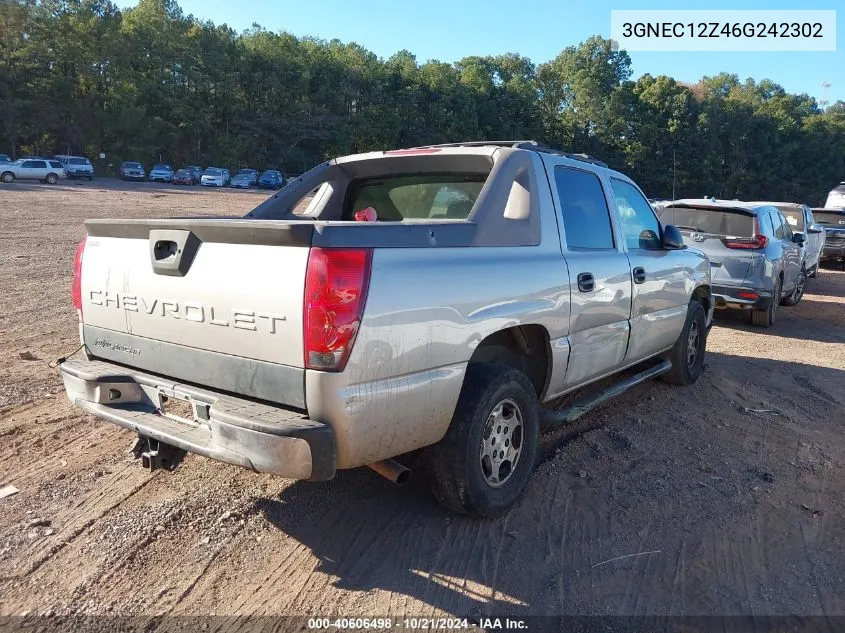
431 298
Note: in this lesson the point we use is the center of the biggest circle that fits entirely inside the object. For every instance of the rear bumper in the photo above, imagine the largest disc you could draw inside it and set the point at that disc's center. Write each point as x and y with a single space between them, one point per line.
729 297
833 251
236 431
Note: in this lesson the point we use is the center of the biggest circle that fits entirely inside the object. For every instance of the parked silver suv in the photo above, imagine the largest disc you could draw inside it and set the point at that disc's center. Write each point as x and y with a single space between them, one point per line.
42 169
756 260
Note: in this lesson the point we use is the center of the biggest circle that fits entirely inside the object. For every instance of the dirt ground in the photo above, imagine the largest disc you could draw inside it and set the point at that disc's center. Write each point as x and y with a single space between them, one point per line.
728 510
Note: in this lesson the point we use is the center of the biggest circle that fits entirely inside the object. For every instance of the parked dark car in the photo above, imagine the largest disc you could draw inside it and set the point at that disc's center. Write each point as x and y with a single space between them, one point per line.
130 170
833 222
271 179
196 172
184 176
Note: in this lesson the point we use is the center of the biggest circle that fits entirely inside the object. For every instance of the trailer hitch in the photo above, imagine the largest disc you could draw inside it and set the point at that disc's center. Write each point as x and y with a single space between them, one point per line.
155 455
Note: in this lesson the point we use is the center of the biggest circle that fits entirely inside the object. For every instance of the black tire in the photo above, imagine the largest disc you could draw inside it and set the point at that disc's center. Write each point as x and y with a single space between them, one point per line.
766 318
90 178
7 177
687 356
794 298
51 179
459 466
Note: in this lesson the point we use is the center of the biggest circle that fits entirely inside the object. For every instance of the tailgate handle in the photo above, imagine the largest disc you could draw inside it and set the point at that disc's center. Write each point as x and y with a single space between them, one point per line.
172 251
163 249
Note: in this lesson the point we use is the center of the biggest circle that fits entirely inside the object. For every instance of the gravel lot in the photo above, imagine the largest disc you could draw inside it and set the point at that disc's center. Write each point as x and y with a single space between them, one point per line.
741 512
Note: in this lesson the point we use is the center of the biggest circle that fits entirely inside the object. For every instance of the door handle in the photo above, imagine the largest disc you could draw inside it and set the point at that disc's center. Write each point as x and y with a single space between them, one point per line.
639 275
586 282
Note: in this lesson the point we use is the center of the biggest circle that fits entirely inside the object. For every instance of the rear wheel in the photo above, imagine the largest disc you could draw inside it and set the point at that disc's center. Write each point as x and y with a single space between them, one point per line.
798 291
687 356
483 463
766 318
7 177
52 179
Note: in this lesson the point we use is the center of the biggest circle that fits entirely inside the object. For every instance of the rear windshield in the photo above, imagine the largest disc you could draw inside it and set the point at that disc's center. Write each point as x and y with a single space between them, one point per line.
79 161
418 197
829 217
716 221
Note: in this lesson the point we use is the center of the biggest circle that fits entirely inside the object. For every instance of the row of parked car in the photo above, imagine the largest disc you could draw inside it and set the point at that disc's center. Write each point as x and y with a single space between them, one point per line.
761 253
45 169
55 168
209 177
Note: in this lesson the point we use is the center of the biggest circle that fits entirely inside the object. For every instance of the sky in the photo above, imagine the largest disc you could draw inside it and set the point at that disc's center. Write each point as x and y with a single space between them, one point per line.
448 30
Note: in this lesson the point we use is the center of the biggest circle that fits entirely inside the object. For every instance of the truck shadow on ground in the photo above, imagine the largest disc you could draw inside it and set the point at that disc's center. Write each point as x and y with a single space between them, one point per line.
635 476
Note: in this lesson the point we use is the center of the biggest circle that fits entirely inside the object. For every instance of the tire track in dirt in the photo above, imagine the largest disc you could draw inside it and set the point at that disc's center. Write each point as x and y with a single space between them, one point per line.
116 489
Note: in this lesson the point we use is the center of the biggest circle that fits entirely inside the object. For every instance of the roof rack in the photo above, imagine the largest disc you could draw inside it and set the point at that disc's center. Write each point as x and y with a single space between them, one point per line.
525 144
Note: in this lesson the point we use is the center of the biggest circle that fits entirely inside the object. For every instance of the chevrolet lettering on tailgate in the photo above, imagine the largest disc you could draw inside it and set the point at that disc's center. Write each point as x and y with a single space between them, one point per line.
189 311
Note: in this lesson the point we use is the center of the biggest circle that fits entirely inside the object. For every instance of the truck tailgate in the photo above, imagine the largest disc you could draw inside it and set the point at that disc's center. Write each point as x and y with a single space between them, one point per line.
233 288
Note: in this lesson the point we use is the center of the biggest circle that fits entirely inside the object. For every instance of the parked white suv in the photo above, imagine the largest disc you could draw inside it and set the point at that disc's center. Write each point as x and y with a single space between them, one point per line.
42 169
77 166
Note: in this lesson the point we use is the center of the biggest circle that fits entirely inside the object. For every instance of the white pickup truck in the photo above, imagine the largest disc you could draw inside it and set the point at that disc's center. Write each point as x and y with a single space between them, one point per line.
430 298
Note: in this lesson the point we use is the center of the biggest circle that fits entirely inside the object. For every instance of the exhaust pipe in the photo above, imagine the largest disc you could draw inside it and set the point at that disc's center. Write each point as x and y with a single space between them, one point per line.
392 470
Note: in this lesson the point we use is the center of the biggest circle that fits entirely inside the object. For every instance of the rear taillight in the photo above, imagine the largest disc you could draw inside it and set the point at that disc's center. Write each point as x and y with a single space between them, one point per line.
757 242
336 283
76 288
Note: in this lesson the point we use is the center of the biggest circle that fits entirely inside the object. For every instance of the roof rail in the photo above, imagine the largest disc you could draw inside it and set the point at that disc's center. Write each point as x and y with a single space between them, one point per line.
525 144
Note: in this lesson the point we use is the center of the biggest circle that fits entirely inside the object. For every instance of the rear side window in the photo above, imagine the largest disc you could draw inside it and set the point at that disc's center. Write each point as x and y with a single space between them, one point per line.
418 197
79 161
56 164
795 219
786 231
586 219
713 221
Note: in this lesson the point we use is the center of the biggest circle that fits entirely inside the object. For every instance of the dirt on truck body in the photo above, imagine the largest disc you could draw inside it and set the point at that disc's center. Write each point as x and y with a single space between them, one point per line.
722 498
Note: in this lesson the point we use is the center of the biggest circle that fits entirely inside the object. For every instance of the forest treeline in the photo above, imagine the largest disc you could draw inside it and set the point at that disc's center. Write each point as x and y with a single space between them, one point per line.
151 82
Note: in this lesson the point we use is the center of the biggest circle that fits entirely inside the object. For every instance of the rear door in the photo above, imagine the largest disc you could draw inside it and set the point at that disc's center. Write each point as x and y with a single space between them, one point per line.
791 251
660 295
599 273
815 239
711 229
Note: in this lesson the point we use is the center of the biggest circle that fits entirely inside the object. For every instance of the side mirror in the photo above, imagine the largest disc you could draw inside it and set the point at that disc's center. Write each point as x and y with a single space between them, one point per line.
815 228
672 238
798 238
